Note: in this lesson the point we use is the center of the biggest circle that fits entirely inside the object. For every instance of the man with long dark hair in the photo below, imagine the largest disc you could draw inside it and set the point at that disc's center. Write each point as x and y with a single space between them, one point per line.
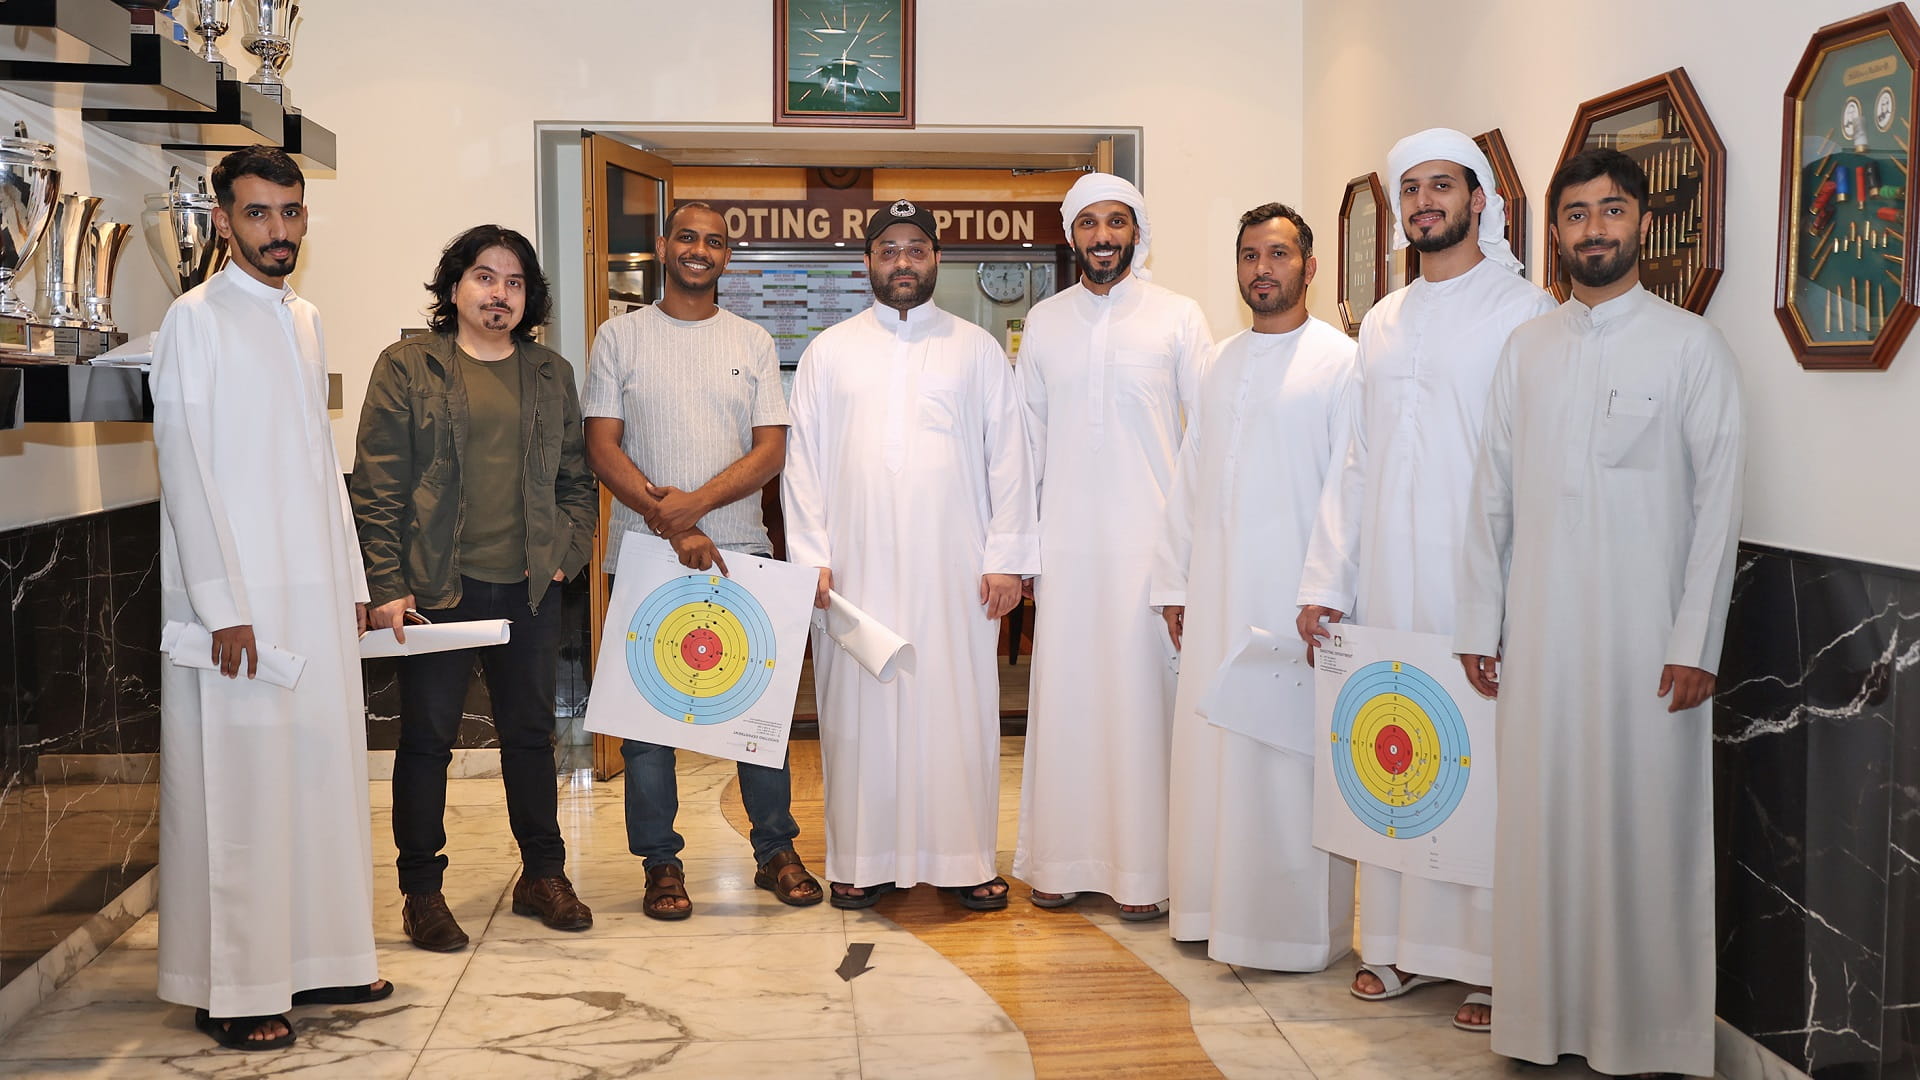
474 502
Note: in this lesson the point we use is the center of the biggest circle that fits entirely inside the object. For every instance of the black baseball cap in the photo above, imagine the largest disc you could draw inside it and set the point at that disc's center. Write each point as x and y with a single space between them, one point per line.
902 213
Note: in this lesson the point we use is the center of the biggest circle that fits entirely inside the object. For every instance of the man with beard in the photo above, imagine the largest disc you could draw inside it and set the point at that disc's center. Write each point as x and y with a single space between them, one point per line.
267 901
1110 369
1610 479
909 486
474 502
1270 427
686 422
1385 547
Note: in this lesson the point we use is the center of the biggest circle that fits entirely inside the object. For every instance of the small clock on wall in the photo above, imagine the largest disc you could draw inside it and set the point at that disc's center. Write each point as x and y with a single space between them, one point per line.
1003 282
843 63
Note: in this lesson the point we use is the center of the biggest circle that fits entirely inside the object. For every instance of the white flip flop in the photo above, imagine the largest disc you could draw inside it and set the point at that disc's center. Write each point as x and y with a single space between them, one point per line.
1059 901
1475 998
1391 985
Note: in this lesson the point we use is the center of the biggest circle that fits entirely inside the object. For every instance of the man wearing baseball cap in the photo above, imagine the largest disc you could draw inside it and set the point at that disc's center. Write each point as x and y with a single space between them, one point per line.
908 484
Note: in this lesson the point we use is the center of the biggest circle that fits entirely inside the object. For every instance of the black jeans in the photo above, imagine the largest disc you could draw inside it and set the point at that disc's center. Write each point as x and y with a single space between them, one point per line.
433 693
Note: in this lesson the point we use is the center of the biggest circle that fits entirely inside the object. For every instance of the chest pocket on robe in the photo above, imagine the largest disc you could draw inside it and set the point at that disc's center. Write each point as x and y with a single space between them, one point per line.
1629 436
1140 377
943 401
432 437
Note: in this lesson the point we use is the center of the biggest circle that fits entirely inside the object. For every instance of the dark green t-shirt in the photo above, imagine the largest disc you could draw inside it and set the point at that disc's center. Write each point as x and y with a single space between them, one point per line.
493 536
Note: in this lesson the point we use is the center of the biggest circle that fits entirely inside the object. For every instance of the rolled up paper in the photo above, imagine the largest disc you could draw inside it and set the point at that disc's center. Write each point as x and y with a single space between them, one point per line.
436 637
871 644
191 645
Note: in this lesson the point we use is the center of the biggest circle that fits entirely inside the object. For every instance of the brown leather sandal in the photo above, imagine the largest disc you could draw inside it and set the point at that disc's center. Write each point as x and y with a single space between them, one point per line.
782 874
666 881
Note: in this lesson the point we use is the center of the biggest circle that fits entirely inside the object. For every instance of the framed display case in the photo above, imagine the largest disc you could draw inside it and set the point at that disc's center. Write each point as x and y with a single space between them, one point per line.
844 64
1843 292
1363 249
1661 124
1506 181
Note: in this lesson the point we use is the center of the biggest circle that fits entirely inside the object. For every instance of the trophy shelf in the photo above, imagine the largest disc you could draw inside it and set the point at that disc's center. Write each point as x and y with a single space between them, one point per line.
159 75
89 393
65 32
242 116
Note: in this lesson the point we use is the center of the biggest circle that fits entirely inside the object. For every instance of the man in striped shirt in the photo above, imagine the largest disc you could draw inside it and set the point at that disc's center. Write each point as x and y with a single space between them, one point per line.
686 422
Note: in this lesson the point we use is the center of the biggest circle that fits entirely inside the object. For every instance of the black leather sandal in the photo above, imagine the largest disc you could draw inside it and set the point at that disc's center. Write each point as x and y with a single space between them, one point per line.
236 1032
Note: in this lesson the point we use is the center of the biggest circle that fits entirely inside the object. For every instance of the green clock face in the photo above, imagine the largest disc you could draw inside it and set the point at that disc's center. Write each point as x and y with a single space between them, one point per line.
847 60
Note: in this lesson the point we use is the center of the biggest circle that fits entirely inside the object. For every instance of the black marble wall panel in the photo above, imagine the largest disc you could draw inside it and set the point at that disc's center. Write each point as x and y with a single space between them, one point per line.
1817 793
79 674
79 644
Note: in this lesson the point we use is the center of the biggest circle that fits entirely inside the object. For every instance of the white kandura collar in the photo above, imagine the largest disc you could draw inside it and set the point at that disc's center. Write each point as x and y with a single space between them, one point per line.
254 286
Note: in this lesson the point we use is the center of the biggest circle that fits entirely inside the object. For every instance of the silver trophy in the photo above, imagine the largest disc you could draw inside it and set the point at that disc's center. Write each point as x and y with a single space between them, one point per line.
29 184
271 39
211 19
98 260
180 233
67 234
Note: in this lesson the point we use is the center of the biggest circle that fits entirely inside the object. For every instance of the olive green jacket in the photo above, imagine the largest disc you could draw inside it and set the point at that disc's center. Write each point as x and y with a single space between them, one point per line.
407 480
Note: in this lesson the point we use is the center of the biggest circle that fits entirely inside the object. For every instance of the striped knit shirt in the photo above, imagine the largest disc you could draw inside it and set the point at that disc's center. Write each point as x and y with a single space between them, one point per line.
691 394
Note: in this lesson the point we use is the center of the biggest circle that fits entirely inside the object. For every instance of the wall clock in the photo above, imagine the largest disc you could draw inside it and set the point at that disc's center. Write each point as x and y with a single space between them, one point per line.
843 63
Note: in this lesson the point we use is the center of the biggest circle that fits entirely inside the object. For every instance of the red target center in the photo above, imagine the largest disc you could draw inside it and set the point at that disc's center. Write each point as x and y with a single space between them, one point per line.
700 649
1394 749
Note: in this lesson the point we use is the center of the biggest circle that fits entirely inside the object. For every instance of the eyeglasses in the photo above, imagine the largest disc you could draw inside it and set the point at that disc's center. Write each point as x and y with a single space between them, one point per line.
912 252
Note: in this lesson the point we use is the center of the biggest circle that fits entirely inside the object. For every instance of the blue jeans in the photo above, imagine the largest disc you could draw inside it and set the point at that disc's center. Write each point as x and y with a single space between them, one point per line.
653 799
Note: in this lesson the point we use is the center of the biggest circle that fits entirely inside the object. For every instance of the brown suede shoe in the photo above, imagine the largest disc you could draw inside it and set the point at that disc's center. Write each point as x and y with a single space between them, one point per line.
430 925
552 899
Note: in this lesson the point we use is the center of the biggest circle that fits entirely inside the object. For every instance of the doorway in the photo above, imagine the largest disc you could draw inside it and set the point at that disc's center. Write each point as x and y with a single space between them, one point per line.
796 203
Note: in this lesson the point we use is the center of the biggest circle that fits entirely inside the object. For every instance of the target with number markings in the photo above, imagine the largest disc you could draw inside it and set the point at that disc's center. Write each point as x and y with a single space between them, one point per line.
1400 749
701 648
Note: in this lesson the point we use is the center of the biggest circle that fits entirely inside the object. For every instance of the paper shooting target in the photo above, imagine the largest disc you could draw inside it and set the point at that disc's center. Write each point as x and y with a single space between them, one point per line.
700 648
1400 749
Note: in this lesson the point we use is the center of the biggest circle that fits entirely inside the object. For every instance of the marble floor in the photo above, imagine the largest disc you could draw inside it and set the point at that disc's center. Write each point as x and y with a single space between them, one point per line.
749 987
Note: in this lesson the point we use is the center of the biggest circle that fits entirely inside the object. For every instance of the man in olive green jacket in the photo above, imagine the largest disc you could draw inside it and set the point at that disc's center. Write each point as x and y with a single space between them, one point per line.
473 501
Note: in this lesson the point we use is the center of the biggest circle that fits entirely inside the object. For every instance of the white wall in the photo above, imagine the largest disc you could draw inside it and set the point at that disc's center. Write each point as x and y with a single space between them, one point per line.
435 102
436 111
1828 459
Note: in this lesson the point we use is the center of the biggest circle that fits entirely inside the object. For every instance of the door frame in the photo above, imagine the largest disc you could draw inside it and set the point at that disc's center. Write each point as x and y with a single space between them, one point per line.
570 182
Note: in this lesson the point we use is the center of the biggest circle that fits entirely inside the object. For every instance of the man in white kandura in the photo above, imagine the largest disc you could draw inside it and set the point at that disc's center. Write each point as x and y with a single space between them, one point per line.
1610 478
267 897
1385 547
1109 369
1270 428
909 486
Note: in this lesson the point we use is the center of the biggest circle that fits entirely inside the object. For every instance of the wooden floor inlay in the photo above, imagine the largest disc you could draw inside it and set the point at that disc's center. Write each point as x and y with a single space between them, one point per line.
1088 1007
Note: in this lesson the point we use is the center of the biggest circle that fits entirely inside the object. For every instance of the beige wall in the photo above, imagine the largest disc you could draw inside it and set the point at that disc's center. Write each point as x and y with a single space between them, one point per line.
1827 470
435 103
436 113
436 107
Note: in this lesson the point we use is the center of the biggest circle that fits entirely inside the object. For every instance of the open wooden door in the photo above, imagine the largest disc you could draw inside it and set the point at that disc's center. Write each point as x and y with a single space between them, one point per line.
626 194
